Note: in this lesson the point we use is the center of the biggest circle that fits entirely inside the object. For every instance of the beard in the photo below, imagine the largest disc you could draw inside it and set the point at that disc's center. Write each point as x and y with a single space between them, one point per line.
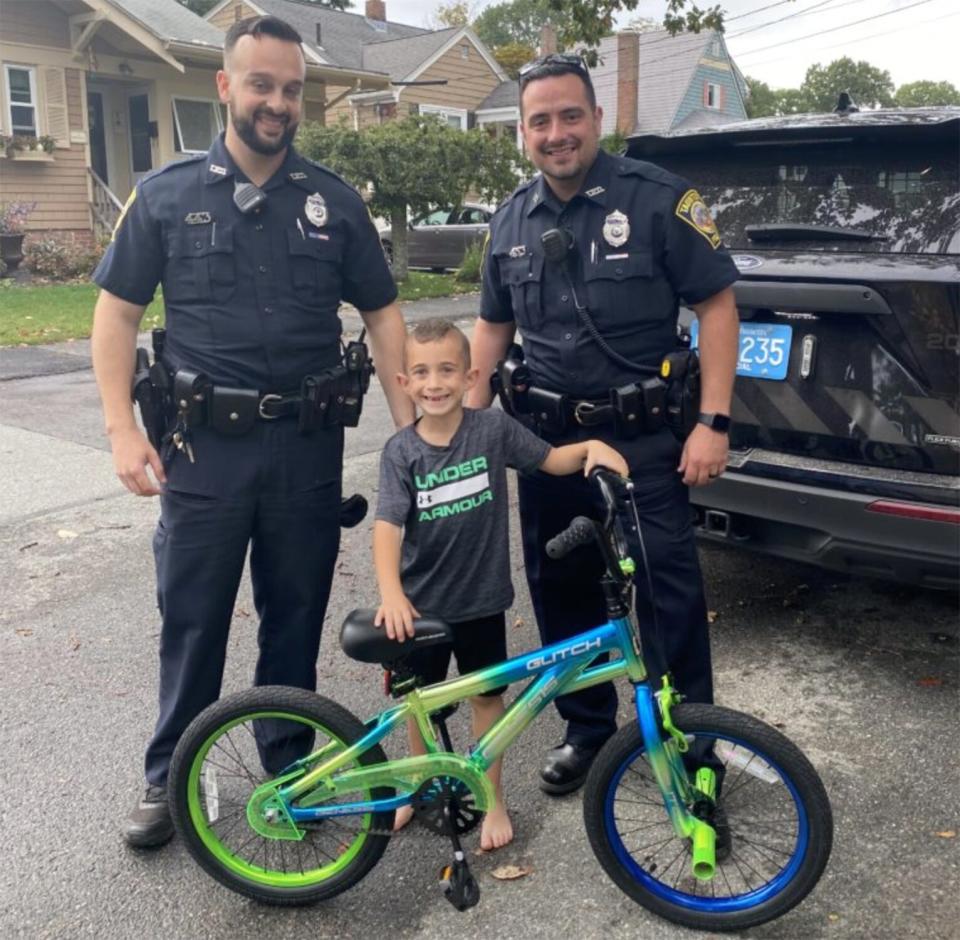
247 131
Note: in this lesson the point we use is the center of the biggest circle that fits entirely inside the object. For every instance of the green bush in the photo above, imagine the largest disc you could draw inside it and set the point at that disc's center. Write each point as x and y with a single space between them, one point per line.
469 270
60 261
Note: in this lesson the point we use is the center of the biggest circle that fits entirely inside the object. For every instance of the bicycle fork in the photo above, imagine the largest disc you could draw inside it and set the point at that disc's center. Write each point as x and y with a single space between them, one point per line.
672 779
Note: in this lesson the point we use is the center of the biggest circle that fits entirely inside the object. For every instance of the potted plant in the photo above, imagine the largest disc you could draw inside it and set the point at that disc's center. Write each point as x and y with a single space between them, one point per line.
13 222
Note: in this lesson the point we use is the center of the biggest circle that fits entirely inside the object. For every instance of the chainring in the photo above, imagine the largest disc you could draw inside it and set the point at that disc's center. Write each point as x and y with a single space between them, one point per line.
431 797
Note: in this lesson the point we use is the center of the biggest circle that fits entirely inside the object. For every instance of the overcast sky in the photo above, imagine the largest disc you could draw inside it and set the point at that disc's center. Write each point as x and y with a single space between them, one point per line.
911 44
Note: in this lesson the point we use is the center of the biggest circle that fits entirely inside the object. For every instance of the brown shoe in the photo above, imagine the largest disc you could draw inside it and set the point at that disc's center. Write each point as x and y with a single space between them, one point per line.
149 825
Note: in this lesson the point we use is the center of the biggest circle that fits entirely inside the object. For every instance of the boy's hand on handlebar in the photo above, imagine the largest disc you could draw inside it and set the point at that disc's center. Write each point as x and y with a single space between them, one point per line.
396 614
603 455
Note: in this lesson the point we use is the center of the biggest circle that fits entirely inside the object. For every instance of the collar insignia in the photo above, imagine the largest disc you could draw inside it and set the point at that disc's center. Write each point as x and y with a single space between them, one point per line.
595 191
616 229
219 170
197 218
315 209
298 175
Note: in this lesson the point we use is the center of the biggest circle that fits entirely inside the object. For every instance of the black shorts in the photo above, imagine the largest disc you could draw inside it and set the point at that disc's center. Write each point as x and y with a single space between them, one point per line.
476 644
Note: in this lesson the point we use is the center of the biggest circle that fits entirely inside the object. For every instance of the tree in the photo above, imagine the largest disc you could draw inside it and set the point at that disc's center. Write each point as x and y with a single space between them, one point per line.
869 87
517 22
455 13
512 56
927 94
762 100
413 165
202 7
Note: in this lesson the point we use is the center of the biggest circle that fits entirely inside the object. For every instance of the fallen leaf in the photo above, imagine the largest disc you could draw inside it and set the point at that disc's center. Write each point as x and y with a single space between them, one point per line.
240 612
833 917
66 534
510 872
712 616
74 642
24 631
930 681
947 834
518 623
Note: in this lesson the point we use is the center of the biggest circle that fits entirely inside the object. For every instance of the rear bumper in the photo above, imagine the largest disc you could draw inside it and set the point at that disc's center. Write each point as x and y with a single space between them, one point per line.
830 527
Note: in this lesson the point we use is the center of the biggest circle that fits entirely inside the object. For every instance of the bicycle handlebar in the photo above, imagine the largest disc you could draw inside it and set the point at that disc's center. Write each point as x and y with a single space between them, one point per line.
580 531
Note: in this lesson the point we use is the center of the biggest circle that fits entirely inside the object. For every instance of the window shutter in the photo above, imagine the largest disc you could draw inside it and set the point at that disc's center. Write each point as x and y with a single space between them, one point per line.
721 98
54 96
706 94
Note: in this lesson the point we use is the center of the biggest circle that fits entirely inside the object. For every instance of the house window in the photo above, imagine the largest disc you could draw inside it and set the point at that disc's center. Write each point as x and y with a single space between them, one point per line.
452 116
465 50
713 96
21 100
195 124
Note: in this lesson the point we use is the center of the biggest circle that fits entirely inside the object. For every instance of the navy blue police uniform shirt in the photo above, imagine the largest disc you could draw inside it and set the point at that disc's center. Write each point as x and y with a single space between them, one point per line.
251 299
644 242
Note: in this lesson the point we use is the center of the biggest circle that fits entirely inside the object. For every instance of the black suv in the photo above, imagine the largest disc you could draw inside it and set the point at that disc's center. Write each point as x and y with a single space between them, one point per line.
845 448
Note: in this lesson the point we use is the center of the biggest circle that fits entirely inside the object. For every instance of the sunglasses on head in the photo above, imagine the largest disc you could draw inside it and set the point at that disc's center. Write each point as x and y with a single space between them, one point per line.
570 60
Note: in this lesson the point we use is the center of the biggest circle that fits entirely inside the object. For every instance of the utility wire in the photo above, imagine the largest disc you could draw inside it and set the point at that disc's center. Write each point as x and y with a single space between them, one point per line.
791 16
822 32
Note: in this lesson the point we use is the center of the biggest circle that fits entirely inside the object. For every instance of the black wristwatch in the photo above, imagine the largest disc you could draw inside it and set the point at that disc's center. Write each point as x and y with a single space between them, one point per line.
716 422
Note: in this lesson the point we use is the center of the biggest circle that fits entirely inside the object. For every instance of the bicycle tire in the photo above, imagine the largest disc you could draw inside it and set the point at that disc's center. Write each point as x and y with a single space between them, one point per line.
340 861
781 780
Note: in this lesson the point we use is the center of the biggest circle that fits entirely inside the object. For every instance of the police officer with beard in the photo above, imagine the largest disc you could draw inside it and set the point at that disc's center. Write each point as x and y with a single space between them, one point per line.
637 241
255 247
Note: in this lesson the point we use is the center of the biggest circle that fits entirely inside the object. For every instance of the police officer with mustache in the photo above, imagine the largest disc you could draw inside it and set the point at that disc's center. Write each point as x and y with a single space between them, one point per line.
596 305
255 247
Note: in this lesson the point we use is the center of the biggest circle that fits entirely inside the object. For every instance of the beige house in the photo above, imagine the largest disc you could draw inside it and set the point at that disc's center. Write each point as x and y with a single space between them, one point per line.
446 72
122 87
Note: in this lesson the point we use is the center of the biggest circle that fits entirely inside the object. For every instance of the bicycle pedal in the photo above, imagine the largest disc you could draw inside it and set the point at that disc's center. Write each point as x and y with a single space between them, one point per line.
459 886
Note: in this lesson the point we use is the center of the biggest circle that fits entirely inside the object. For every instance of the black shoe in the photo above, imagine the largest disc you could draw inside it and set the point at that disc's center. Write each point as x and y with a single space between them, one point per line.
149 825
566 768
724 842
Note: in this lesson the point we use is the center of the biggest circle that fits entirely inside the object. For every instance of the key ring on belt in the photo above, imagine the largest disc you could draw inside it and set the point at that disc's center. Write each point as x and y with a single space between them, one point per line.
582 411
271 397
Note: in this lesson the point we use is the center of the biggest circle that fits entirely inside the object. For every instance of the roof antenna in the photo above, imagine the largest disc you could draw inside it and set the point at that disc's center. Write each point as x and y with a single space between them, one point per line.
845 104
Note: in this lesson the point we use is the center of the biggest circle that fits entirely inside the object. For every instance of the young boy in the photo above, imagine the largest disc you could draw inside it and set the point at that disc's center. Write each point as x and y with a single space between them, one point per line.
440 540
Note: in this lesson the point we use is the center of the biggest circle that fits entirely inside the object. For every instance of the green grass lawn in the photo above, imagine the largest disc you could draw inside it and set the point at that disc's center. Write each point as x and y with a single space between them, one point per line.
30 315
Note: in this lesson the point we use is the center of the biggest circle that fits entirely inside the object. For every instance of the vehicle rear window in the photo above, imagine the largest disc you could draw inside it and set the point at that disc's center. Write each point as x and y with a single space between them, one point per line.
910 196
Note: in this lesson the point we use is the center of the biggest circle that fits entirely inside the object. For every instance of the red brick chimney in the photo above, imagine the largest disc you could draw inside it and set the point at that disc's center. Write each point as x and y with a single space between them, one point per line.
548 40
376 10
628 78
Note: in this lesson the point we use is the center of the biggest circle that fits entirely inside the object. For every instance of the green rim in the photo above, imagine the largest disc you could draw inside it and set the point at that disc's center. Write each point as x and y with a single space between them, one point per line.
241 866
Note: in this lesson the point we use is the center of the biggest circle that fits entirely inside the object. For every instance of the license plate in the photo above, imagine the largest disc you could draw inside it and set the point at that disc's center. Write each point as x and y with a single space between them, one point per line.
764 349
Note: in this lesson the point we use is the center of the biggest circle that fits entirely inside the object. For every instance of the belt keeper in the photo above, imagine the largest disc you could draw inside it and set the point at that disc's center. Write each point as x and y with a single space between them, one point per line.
307 419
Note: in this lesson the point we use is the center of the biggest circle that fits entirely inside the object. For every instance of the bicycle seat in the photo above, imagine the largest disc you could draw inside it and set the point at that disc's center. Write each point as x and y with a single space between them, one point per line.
362 641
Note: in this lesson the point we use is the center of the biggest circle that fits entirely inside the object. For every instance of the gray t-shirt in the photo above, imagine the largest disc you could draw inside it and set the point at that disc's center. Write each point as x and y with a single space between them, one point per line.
452 504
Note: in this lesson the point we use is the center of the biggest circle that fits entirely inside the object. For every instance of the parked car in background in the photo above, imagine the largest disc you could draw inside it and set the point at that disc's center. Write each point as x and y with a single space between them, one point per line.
845 447
438 239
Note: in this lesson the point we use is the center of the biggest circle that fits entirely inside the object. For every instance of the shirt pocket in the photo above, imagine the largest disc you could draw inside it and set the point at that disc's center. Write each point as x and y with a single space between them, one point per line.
202 265
315 269
521 277
620 289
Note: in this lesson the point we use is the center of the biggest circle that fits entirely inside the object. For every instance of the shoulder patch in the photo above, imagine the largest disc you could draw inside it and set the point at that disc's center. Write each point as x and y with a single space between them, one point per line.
693 210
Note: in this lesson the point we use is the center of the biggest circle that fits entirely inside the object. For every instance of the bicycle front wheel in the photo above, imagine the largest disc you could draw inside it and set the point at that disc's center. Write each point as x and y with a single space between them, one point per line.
232 748
779 817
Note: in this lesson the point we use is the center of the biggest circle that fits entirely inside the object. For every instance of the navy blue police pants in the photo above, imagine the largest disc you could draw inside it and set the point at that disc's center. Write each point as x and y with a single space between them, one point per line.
278 493
566 595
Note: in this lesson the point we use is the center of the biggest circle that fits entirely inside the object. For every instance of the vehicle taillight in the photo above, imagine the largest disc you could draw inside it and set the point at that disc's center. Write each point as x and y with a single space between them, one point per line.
913 511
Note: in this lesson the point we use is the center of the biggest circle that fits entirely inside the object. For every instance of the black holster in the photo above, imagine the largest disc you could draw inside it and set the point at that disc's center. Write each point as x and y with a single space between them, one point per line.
152 392
335 395
682 371
510 382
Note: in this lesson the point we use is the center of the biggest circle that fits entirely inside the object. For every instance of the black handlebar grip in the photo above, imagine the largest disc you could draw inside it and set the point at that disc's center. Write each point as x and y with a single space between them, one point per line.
579 532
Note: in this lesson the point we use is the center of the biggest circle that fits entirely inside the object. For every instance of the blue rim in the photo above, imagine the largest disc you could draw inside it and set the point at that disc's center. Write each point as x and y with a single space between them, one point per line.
738 902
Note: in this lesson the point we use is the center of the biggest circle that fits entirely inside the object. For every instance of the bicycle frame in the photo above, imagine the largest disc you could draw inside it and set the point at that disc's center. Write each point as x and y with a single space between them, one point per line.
555 670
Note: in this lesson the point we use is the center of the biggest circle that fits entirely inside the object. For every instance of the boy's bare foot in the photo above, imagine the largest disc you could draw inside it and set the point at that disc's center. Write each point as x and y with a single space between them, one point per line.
497 830
401 817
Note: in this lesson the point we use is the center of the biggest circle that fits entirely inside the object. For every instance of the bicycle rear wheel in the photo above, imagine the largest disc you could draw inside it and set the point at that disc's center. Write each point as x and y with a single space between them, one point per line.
232 748
778 812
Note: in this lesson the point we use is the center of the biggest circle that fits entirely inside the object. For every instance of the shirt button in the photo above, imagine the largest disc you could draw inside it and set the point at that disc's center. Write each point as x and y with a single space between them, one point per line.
262 269
619 270
568 335
268 309
198 244
259 227
563 297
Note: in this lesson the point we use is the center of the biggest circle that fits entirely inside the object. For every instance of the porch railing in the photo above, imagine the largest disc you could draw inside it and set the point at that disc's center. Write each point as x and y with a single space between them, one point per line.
106 207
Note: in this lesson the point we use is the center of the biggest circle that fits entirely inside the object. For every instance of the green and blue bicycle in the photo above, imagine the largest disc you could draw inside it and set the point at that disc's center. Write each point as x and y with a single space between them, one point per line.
705 816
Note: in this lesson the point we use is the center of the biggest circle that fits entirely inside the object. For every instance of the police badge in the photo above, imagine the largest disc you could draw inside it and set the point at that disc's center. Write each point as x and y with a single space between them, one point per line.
616 229
315 209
